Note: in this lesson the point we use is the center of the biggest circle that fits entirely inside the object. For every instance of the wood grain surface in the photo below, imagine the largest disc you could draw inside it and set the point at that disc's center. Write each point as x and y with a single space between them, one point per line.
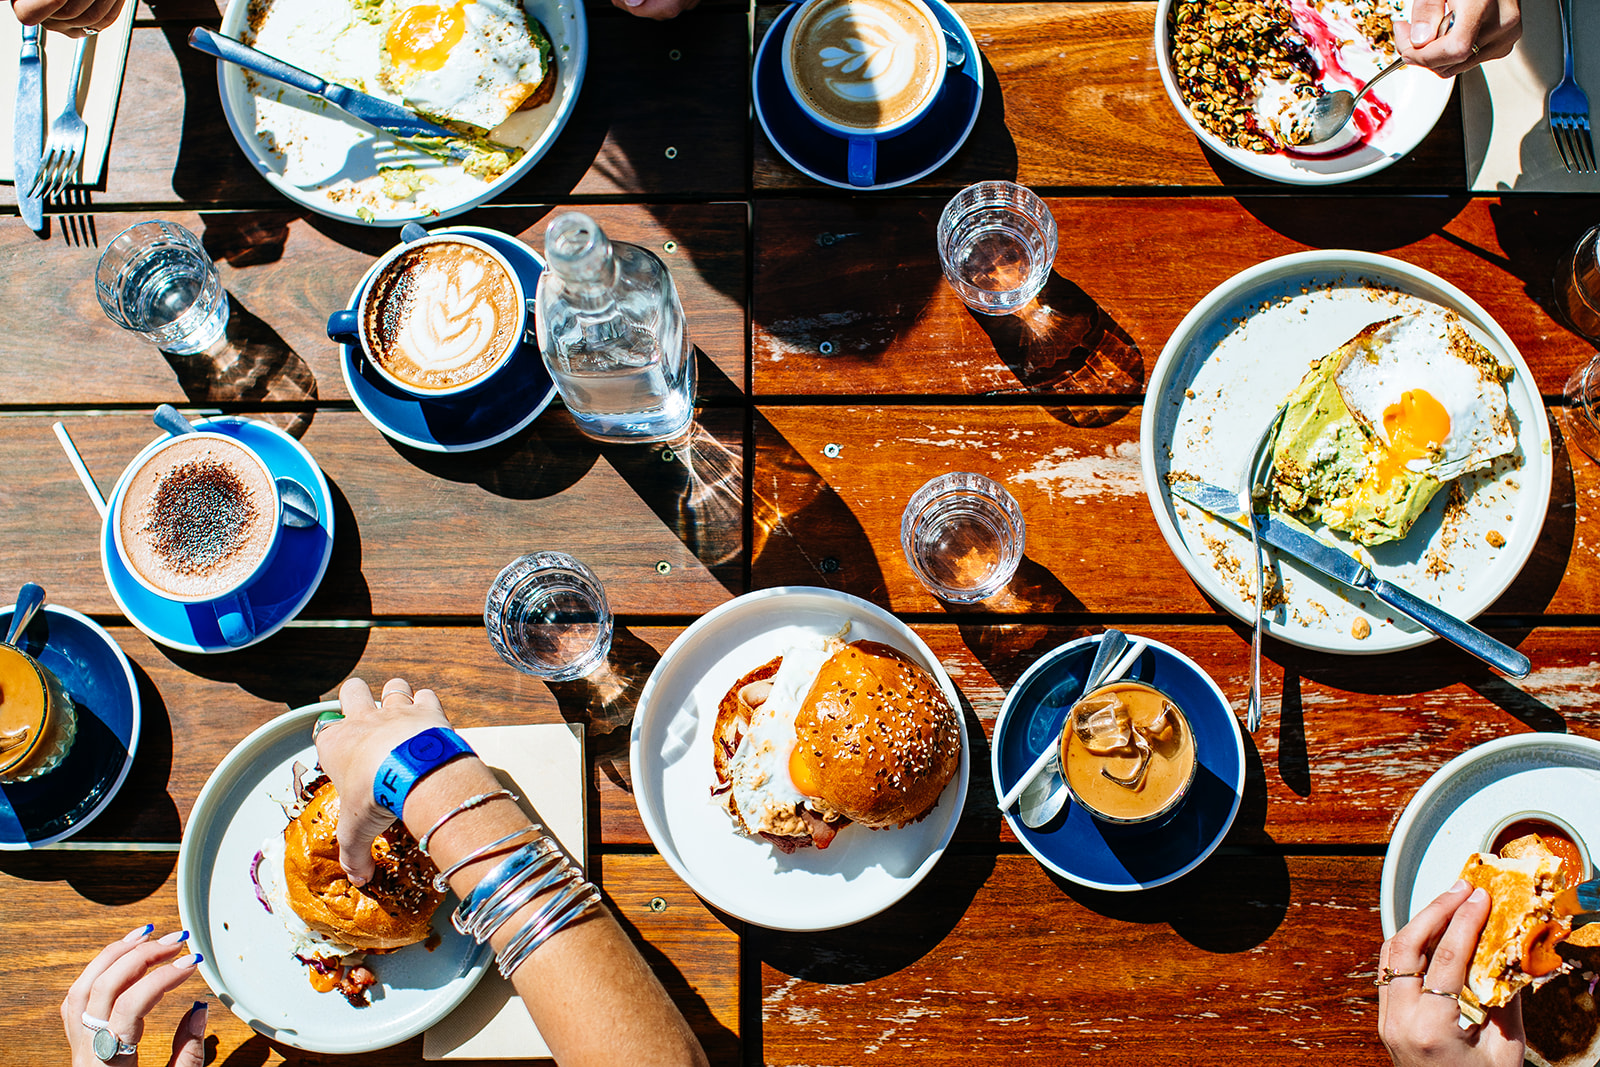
1249 959
286 271
1073 99
72 903
1127 271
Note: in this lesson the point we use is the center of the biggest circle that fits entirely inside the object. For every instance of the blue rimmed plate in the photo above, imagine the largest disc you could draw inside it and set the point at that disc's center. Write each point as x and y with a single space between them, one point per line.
98 677
249 957
1073 844
903 158
282 590
462 423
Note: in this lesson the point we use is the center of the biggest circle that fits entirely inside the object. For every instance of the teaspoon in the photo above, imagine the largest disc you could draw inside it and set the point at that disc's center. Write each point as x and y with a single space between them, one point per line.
28 600
299 506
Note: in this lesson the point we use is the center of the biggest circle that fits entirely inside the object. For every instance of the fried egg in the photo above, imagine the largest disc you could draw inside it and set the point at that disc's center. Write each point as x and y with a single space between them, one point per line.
1430 397
764 788
472 62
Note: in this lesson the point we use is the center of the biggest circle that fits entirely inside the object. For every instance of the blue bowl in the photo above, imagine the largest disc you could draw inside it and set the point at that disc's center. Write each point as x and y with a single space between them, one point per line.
1100 855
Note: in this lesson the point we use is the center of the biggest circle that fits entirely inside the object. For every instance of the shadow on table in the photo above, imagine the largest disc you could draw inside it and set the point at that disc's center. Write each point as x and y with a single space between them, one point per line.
1374 224
1064 342
802 531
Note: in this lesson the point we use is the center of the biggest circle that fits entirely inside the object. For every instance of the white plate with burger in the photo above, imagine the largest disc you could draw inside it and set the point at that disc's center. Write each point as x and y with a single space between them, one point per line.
232 862
839 735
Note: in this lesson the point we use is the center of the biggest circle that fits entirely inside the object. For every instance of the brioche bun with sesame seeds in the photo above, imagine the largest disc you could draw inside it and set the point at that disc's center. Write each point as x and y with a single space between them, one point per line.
876 740
391 911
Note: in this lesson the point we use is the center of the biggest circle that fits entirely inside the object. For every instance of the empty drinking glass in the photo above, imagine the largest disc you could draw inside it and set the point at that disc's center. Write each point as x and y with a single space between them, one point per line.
155 279
997 244
963 535
547 615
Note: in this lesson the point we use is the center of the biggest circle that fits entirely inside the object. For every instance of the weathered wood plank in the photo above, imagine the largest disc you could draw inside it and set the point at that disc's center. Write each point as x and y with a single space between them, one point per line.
863 277
286 272
71 904
423 533
1245 960
1073 98
172 143
830 484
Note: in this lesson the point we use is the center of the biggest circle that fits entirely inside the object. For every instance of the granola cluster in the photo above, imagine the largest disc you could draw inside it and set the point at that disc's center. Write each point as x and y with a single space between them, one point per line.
1222 49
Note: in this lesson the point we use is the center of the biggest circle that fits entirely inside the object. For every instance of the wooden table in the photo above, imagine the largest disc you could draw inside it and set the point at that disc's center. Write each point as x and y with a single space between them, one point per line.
801 464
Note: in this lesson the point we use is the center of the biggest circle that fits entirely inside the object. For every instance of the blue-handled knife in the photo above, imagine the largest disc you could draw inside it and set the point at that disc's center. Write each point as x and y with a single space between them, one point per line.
1582 899
1224 504
369 109
27 133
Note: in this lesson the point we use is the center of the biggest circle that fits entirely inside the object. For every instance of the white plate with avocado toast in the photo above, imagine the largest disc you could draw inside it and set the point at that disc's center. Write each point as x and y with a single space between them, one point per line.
1224 372
336 165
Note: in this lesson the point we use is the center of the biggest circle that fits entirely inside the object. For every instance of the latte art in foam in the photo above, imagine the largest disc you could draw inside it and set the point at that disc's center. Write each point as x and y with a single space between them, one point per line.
864 64
442 315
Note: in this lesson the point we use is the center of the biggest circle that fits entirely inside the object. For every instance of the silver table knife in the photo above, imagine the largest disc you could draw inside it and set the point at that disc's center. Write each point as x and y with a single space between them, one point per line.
27 134
1224 504
369 109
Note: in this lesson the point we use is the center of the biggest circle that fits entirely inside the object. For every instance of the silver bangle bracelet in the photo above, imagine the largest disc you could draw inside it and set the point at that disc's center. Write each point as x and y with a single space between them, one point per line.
498 883
519 888
442 881
572 905
466 805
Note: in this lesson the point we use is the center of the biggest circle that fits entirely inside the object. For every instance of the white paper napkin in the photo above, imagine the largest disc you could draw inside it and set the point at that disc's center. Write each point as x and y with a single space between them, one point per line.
97 95
544 764
1503 108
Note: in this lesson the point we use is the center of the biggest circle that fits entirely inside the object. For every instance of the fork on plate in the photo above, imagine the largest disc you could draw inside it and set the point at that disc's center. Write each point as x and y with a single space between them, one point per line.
1569 109
69 135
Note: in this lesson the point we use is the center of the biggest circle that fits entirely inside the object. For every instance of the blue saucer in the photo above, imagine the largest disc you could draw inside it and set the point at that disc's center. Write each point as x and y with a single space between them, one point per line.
275 597
1073 844
903 158
460 423
99 679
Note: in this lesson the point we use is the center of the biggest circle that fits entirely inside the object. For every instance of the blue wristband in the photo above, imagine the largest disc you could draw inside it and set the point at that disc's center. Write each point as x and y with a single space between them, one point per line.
412 759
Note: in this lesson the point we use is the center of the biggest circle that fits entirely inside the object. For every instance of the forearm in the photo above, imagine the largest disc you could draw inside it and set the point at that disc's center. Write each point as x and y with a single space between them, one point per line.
591 994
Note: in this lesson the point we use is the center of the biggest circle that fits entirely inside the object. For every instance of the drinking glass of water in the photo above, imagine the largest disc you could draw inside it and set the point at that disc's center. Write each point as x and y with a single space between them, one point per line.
547 616
963 535
156 279
997 244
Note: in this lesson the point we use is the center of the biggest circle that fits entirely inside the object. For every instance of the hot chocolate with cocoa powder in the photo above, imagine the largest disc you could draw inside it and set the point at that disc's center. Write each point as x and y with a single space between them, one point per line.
198 517
442 315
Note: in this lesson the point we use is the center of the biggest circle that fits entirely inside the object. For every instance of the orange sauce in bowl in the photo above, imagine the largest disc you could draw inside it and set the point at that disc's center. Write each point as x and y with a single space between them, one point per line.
1555 839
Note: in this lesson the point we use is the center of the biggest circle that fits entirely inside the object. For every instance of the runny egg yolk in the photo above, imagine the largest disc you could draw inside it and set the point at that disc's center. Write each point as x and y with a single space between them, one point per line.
1416 427
421 37
803 773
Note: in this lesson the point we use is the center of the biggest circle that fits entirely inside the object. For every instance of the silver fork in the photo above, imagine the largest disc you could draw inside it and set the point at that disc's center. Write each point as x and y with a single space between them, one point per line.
1253 496
1569 109
69 135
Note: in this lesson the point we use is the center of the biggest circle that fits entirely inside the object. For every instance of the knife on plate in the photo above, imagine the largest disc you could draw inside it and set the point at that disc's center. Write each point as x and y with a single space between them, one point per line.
27 133
1224 504
398 120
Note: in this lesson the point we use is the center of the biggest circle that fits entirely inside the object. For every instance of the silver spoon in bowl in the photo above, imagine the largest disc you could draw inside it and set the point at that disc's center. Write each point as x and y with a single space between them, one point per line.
29 598
1331 111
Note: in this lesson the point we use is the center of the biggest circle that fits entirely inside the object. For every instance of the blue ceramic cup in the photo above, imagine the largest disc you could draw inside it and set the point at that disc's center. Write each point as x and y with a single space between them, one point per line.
864 70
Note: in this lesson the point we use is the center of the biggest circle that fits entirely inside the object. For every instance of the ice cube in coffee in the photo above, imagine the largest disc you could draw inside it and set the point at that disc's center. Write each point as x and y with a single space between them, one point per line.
37 719
1128 753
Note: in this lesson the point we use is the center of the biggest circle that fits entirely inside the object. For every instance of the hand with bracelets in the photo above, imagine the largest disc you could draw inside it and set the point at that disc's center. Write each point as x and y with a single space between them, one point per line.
518 890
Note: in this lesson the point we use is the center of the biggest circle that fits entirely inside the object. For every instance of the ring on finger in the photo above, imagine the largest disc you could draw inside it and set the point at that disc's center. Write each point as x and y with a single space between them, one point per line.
106 1044
1390 974
324 720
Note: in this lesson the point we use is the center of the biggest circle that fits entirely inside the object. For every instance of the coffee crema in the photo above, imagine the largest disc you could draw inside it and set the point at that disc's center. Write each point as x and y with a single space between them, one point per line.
442 315
1128 752
864 64
198 517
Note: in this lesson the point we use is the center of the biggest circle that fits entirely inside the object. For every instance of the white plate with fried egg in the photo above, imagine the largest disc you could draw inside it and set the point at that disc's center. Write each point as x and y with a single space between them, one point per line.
327 161
863 871
1222 375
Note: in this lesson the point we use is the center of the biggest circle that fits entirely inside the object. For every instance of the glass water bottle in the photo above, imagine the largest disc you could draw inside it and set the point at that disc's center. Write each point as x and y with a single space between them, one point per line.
611 330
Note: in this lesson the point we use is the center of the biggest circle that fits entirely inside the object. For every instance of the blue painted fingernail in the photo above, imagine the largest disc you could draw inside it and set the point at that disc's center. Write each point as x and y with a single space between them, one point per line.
140 933
191 960
177 937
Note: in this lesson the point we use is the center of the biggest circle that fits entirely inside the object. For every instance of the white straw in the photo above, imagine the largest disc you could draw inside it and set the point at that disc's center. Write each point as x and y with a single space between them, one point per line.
78 465
1136 649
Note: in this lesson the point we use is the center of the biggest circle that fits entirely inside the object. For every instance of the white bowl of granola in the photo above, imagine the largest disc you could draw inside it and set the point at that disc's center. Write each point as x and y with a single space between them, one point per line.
1241 72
